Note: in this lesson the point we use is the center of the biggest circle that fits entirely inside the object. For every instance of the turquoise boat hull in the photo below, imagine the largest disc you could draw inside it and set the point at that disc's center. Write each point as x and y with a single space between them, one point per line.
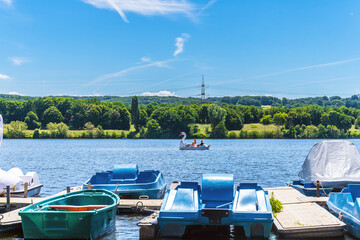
126 181
216 203
346 206
41 221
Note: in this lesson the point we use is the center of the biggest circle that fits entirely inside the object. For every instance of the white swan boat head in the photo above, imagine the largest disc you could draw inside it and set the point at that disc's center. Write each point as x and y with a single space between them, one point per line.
187 146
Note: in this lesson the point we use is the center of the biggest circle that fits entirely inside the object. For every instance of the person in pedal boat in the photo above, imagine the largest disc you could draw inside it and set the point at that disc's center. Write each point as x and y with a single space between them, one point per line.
194 143
201 143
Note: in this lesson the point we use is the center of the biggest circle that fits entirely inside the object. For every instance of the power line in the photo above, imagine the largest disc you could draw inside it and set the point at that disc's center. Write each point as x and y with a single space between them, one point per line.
203 96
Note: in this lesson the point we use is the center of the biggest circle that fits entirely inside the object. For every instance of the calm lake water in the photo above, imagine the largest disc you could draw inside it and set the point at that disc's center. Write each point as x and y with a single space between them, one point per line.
62 163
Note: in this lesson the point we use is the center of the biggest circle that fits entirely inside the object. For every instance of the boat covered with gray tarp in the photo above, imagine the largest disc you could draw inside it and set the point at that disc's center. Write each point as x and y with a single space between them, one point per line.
334 163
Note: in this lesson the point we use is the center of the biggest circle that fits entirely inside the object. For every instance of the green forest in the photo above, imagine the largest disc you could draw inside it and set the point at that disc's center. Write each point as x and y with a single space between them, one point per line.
166 117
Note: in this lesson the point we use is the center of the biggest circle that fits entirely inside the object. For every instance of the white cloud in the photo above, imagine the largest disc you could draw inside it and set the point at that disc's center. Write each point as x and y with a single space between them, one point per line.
291 70
89 95
15 93
180 41
4 77
146 7
7 2
209 4
162 64
145 59
18 60
163 93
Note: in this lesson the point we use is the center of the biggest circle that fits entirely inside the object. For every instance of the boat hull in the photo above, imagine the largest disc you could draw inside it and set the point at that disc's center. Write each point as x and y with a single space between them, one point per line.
346 206
309 189
195 148
32 192
133 192
52 224
126 181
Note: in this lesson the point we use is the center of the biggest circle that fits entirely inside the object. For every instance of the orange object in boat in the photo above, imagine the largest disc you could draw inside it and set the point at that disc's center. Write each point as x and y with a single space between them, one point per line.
72 208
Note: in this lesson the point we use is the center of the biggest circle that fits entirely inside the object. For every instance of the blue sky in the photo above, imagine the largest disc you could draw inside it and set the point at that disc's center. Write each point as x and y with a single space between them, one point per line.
292 48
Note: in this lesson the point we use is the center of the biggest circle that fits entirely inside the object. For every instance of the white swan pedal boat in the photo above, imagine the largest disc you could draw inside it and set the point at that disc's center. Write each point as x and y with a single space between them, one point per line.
187 146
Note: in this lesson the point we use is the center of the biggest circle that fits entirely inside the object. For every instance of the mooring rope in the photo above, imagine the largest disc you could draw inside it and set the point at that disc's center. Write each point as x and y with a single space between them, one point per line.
322 188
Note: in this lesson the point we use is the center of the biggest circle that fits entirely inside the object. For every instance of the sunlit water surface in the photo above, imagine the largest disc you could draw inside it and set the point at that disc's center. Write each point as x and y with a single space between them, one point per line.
61 163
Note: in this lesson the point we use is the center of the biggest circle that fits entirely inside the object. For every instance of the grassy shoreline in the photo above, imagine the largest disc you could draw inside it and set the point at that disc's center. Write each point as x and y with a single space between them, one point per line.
249 131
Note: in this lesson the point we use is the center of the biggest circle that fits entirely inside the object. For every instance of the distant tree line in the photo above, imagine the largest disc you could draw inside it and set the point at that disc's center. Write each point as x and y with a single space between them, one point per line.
153 120
258 101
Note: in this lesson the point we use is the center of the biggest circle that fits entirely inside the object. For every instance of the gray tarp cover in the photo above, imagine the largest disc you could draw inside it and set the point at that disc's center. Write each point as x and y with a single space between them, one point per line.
335 163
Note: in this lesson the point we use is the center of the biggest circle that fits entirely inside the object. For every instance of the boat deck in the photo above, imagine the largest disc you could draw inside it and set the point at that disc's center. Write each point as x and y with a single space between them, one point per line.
303 217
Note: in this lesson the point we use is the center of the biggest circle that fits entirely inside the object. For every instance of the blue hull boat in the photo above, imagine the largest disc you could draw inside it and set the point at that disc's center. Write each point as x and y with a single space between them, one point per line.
216 203
310 189
126 181
347 205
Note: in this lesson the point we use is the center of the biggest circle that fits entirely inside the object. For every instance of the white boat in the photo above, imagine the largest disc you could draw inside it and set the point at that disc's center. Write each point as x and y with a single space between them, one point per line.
16 179
187 146
335 163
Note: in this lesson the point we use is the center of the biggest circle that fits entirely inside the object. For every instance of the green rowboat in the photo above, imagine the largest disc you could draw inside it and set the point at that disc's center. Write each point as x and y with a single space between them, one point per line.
86 214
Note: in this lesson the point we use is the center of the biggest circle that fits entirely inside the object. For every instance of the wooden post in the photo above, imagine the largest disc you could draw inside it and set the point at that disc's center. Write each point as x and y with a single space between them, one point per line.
8 198
89 185
318 188
26 190
67 189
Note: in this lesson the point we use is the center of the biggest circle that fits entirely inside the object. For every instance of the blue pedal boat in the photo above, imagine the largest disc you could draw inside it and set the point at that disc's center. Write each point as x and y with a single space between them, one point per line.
216 203
346 206
126 181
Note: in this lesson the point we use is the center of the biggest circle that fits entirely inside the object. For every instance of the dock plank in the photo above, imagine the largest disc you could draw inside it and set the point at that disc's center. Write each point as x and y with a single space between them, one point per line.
289 195
305 215
147 203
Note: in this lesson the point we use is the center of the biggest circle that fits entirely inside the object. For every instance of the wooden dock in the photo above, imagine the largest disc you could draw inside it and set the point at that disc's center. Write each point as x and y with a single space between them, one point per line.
303 217
149 227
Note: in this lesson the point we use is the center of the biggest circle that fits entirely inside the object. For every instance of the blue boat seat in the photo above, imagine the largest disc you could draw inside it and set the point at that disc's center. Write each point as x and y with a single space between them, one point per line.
125 172
217 189
248 198
354 189
183 198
